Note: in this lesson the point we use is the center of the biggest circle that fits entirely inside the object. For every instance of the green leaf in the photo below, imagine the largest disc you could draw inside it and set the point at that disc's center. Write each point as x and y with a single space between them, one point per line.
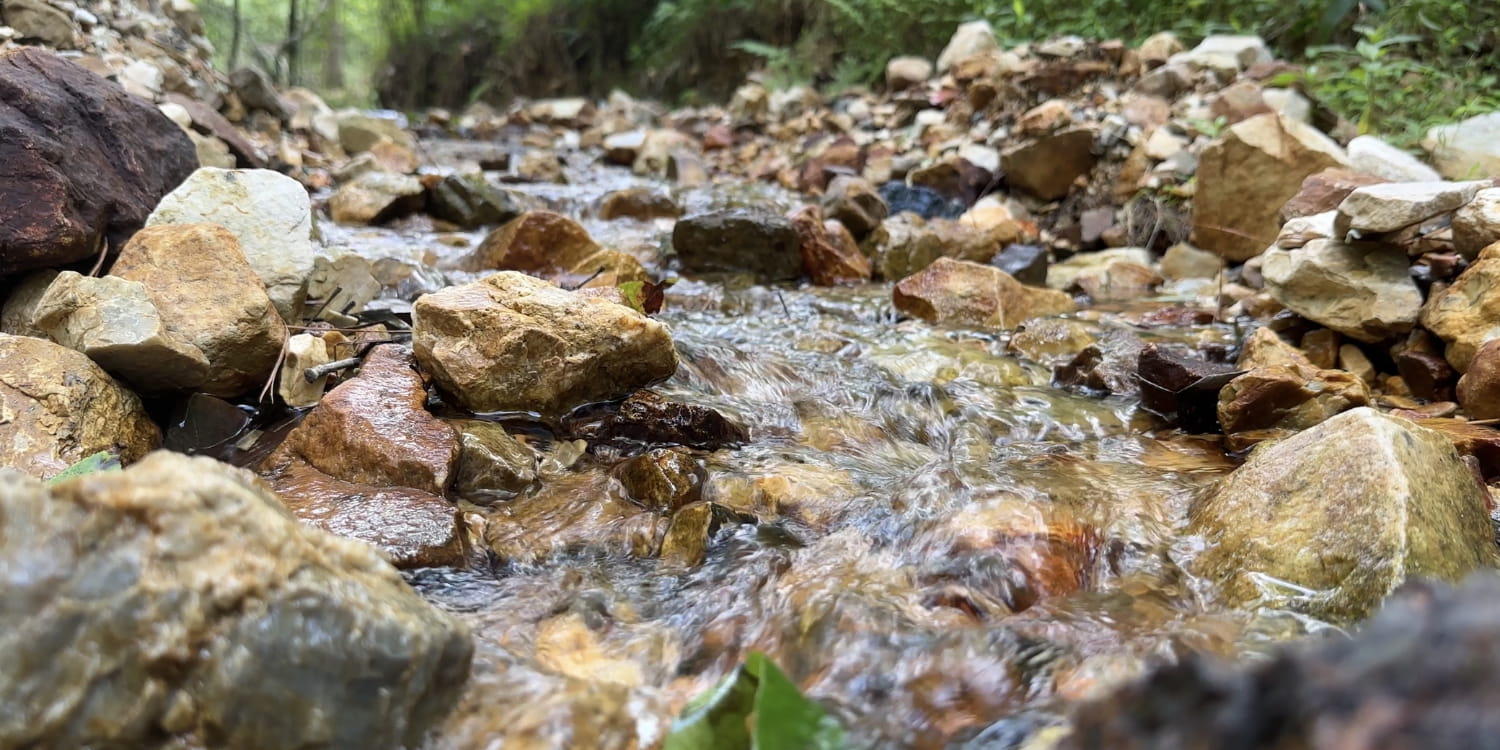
634 293
101 461
755 708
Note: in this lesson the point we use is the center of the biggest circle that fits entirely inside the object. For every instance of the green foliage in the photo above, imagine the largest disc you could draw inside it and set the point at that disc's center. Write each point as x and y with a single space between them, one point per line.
101 461
755 708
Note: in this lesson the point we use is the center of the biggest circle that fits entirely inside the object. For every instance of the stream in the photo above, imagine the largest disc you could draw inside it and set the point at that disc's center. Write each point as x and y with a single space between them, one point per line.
932 540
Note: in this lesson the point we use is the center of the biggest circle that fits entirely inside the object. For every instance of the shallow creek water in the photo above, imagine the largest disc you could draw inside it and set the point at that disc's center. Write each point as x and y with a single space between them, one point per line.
929 538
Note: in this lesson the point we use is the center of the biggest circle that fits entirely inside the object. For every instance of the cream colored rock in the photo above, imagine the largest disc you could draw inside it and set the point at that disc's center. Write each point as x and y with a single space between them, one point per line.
206 292
114 322
1477 225
906 72
1467 314
972 38
1370 154
57 407
1247 174
513 342
268 212
1183 261
375 197
1333 519
303 351
178 598
1375 209
1366 295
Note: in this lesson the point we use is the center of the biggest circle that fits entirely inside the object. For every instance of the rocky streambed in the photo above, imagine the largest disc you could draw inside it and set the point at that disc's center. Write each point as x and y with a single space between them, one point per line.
995 409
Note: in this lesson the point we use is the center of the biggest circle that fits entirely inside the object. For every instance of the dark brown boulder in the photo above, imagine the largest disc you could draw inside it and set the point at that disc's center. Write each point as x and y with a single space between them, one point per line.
84 161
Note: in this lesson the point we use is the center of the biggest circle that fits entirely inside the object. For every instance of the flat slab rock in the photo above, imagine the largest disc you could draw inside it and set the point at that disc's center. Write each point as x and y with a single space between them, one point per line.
84 161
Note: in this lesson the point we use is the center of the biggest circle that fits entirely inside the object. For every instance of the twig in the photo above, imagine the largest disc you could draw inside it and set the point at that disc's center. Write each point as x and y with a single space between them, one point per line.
784 309
586 281
280 360
312 374
103 253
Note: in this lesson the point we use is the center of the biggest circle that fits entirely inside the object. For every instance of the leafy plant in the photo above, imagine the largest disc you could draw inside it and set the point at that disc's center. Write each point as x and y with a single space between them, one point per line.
755 708
101 461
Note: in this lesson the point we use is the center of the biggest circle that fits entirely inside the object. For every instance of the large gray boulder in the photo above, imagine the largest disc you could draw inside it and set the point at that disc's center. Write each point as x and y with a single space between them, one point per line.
1333 519
177 604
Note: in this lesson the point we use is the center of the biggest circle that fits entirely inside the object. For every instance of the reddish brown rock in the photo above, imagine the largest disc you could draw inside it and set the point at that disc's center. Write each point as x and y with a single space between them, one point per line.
415 529
1324 191
1239 101
84 161
662 479
1288 397
554 247
1048 166
854 202
829 255
1479 388
642 204
646 418
375 430
965 293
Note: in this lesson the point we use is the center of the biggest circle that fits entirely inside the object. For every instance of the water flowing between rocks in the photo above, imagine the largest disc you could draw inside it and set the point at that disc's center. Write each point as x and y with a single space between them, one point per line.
950 549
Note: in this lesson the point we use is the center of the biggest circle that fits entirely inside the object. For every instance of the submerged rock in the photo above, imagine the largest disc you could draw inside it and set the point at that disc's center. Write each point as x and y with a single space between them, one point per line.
1333 519
512 342
182 606
739 240
268 212
57 408
84 161
648 419
492 465
963 293
1289 396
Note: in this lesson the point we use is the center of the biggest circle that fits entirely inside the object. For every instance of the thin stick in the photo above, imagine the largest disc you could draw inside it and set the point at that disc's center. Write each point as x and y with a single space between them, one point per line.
280 360
312 374
103 253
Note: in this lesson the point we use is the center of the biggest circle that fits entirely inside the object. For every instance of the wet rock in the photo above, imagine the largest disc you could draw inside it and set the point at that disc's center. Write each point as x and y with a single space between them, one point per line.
1112 279
303 352
1396 205
1479 388
269 213
907 72
411 528
739 240
1246 175
924 202
470 201
972 38
1183 261
1371 155
57 407
1264 348
622 148
206 293
1466 149
815 496
1047 166
1323 192
511 342
1333 519
1183 388
1290 396
830 257
114 322
35 20
554 247
1026 263
648 419
661 479
1065 274
375 198
662 150
855 203
209 575
359 131
1108 366
1467 313
1365 295
1477 224
374 429
256 91
906 244
574 514
964 293
541 166
1330 692
1225 54
84 161
1051 341
492 466
641 204
686 540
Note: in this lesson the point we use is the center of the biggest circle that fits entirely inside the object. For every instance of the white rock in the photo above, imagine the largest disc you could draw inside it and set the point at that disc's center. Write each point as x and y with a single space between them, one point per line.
1368 153
269 212
1390 206
1468 149
981 156
1477 225
1225 53
970 39
1288 102
303 351
1163 143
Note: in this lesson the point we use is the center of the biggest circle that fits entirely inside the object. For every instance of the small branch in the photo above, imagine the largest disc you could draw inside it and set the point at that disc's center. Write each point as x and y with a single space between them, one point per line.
312 374
103 253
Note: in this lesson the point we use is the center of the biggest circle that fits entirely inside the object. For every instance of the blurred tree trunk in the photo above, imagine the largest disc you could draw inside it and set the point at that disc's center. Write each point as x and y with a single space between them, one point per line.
293 44
333 59
234 39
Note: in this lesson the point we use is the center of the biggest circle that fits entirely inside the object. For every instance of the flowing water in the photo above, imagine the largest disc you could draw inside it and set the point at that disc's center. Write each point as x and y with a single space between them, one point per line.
929 538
